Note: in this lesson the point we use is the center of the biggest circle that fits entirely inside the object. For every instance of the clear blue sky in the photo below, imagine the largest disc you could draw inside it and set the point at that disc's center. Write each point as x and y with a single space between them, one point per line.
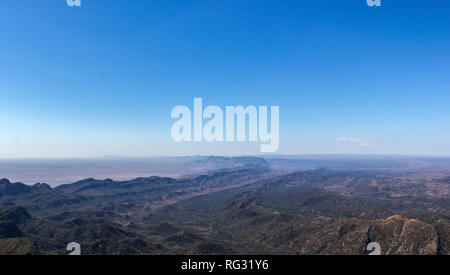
102 79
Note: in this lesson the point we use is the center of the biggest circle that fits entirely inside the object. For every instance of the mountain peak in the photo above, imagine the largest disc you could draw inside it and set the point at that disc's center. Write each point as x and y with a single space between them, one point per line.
42 185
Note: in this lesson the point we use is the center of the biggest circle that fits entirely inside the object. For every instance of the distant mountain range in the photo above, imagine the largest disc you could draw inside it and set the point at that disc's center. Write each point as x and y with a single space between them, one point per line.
237 206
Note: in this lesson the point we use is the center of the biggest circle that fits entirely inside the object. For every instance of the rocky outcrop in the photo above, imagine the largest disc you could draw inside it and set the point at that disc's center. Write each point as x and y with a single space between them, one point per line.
400 236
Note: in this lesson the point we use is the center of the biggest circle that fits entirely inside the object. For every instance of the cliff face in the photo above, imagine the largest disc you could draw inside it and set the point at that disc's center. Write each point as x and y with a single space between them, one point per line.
443 230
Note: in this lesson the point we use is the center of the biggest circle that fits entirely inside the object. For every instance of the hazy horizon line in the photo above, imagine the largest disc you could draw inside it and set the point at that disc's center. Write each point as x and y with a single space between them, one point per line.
227 156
